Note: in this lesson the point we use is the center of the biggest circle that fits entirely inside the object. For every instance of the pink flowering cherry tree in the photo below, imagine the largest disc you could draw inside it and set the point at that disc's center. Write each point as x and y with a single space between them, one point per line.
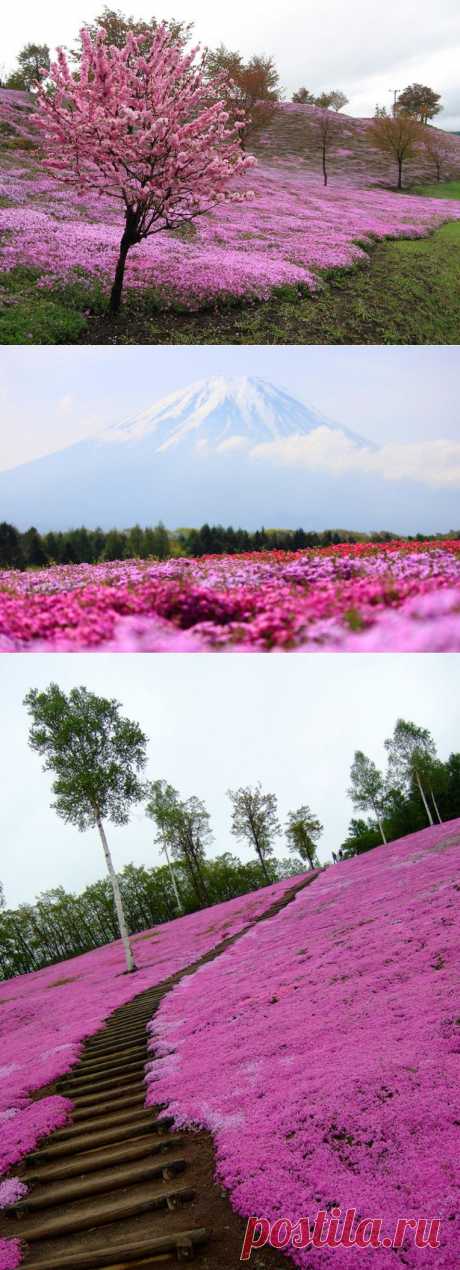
149 130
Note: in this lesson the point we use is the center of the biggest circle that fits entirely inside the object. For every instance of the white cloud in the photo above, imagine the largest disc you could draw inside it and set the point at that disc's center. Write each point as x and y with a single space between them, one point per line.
435 463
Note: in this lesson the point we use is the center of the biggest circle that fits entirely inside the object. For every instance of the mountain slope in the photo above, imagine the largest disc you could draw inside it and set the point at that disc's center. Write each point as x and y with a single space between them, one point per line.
222 413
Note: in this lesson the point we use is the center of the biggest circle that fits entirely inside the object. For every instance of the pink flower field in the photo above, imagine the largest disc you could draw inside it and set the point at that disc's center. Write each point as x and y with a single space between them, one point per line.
46 1016
289 229
322 1050
396 597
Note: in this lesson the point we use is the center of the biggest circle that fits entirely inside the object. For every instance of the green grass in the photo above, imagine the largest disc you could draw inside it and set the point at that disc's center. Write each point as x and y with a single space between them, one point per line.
442 189
407 292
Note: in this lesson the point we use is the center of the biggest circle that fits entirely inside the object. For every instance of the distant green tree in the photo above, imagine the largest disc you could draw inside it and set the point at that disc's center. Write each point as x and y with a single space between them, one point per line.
161 807
333 100
303 831
367 789
411 752
255 821
32 549
32 61
304 97
11 553
420 101
96 756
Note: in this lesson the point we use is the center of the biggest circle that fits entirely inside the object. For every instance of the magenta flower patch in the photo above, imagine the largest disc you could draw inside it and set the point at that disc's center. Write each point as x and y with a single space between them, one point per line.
322 1049
396 597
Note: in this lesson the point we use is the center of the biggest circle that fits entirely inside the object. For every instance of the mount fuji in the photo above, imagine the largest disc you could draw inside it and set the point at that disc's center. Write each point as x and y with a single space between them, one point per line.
204 453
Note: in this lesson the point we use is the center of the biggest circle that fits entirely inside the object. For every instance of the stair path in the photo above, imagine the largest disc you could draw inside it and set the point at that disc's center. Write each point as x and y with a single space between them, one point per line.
91 1181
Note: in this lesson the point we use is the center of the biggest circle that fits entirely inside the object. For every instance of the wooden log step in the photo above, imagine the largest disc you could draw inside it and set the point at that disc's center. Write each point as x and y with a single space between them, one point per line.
123 1090
134 1100
98 1056
99 1184
119 1034
105 1212
100 1138
96 1122
99 1085
108 1070
105 1157
124 1254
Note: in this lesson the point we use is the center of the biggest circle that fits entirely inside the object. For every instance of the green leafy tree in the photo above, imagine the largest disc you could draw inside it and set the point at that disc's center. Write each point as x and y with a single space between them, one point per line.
183 832
420 101
411 752
162 807
304 97
255 821
367 789
32 549
11 553
32 62
96 756
303 832
398 136
333 100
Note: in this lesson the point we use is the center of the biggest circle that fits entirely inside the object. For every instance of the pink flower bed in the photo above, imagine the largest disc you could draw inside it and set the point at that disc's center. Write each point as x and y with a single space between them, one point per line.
289 230
46 1016
396 597
321 1051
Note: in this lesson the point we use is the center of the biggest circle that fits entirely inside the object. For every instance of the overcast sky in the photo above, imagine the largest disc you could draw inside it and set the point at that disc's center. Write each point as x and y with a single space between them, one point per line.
214 723
52 397
364 50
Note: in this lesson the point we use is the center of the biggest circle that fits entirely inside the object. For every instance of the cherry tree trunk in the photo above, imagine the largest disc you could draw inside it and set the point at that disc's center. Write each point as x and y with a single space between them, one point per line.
128 240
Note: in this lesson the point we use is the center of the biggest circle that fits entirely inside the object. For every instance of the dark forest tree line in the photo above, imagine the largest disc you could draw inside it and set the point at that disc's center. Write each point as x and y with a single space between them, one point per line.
32 550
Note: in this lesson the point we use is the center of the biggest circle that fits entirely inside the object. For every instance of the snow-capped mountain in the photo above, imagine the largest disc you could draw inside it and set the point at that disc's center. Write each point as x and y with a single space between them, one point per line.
229 451
222 414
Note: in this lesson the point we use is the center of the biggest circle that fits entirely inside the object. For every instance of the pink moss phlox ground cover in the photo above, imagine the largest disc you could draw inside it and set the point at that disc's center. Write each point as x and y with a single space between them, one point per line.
396 597
10 1254
12 1190
45 1016
322 1051
289 230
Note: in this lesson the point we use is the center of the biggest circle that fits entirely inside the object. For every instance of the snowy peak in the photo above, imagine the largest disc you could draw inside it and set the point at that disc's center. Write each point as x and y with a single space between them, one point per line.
220 414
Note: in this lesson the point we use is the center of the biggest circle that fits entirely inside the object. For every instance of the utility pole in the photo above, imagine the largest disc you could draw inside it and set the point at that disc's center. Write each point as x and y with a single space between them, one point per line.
395 92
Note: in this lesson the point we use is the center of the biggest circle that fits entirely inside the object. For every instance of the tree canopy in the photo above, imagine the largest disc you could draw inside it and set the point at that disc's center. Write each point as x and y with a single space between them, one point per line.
420 101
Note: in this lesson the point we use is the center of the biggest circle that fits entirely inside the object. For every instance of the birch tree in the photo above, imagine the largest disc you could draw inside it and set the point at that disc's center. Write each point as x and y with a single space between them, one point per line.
303 831
255 821
367 789
410 751
96 756
161 802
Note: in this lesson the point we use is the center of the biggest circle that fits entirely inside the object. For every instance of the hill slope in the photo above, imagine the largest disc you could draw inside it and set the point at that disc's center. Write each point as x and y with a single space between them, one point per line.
324 1053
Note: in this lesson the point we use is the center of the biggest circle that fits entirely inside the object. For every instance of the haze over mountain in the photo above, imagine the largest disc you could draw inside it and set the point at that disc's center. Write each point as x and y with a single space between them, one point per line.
238 451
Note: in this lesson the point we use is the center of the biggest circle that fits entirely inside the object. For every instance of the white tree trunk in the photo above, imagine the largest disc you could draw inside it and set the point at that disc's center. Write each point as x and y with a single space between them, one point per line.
425 804
173 878
130 963
382 831
435 805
